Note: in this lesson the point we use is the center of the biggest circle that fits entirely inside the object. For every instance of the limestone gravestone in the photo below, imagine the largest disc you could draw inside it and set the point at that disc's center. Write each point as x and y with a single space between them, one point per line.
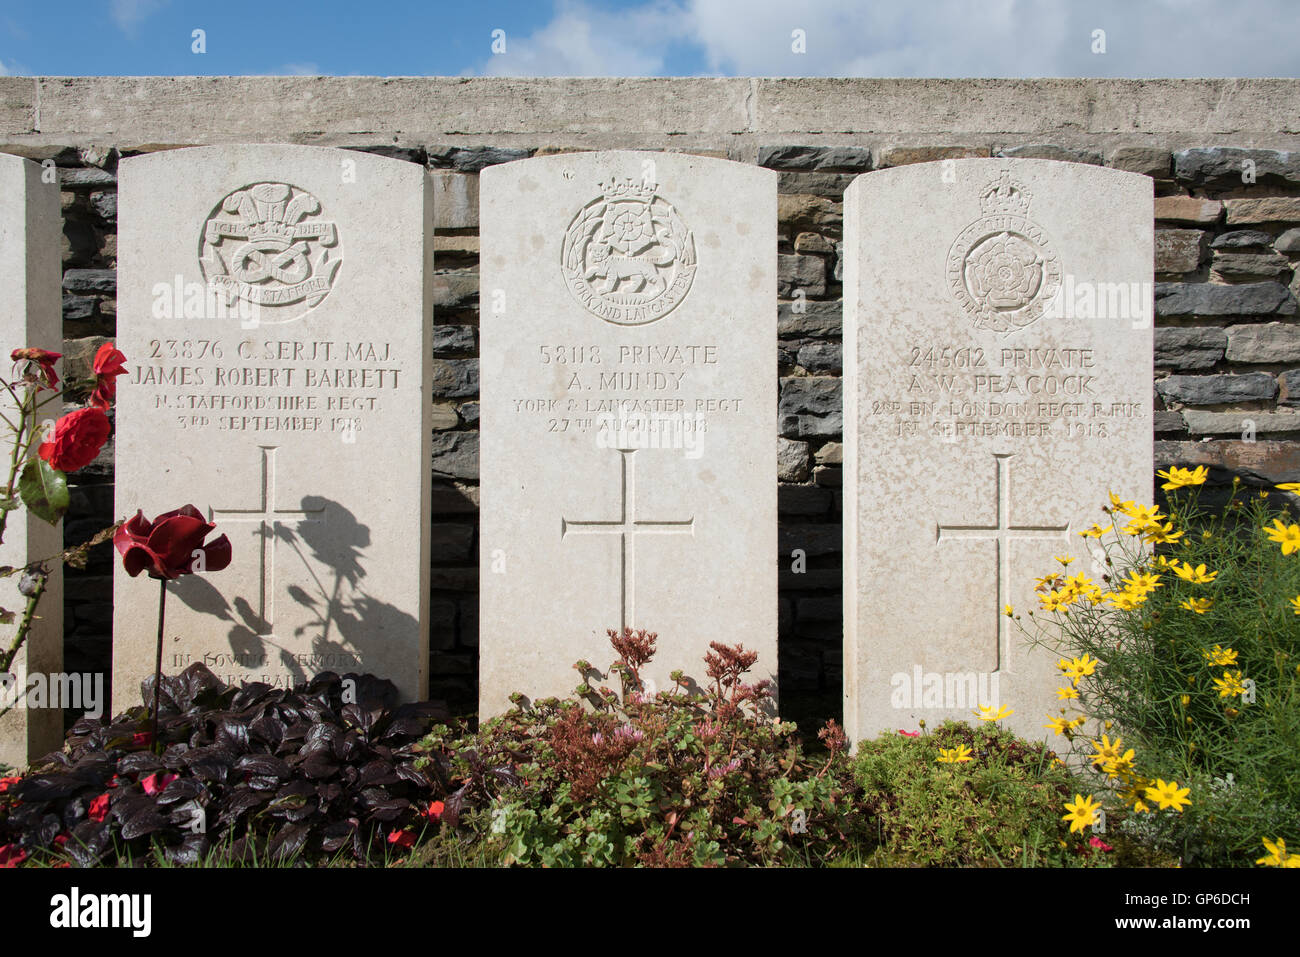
30 315
275 303
998 364
628 459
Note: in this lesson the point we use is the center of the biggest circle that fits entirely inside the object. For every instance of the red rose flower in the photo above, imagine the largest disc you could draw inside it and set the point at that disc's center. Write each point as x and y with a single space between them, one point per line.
166 547
49 379
11 856
77 439
108 366
98 809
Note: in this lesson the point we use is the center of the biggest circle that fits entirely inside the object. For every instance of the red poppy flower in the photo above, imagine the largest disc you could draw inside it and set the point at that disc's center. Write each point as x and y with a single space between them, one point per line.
77 439
98 809
11 856
60 839
49 379
155 782
434 811
108 366
7 783
166 547
401 838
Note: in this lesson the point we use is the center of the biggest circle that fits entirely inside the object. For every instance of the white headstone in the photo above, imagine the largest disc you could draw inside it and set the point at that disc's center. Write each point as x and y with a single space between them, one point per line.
628 459
998 366
275 306
30 315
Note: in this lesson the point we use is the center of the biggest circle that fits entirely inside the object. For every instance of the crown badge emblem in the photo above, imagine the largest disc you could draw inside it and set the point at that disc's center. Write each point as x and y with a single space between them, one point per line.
627 257
266 244
616 190
1005 197
1003 268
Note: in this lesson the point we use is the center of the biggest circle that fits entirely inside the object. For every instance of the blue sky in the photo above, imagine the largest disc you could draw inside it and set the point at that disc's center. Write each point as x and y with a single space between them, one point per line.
940 38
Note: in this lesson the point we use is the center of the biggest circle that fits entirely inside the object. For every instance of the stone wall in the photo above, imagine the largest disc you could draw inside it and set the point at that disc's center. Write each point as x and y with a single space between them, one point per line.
1227 340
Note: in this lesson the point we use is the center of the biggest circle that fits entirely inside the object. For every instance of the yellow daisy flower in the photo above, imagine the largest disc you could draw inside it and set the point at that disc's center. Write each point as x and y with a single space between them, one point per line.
986 713
1119 766
1220 656
1179 478
1143 583
1230 684
1083 812
1106 749
1126 600
1162 534
1058 725
1169 795
1198 605
1077 668
1197 576
1123 507
1277 855
954 755
1288 536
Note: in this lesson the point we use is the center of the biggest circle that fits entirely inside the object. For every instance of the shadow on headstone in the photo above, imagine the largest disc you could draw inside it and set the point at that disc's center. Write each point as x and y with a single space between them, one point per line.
347 622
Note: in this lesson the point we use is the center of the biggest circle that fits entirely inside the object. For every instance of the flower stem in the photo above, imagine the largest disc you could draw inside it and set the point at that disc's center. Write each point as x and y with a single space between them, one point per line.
157 668
24 626
26 415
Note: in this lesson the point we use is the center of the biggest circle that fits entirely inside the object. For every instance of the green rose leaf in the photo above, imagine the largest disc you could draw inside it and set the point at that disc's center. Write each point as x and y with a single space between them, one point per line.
44 490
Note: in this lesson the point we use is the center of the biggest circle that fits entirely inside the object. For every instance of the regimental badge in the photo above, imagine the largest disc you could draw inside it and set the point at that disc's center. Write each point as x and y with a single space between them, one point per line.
627 256
267 244
1003 268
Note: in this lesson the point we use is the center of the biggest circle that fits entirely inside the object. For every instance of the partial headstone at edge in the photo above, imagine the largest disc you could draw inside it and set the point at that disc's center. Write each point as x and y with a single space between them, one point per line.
30 315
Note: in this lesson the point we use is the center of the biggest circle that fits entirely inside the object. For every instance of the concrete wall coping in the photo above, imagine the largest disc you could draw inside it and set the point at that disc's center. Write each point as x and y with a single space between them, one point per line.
738 115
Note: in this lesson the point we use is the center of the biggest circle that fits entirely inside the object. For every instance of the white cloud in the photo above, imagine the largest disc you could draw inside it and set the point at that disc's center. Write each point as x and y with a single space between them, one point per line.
582 41
129 13
938 38
1011 38
13 68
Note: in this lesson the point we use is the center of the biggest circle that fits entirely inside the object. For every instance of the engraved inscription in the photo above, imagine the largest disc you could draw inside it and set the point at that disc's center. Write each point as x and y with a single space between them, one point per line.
627 255
269 245
953 390
270 385
664 390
